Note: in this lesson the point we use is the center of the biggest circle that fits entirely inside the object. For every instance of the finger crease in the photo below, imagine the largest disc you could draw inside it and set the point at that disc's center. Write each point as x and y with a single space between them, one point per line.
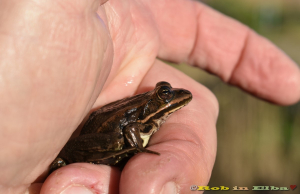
242 53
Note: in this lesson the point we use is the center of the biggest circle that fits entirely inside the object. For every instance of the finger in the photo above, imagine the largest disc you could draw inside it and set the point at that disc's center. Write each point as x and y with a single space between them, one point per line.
82 178
186 142
200 36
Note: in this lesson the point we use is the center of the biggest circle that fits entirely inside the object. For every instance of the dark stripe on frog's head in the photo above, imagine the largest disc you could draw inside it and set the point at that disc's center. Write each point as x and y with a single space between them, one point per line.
180 99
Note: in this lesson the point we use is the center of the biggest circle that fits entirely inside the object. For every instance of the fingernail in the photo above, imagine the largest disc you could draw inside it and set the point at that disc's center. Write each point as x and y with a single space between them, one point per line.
76 189
169 187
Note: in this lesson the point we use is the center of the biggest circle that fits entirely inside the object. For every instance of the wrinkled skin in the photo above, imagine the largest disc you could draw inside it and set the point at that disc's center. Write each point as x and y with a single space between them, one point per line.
55 57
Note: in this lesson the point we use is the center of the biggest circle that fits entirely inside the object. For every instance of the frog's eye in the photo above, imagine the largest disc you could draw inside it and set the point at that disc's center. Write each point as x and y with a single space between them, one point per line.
165 94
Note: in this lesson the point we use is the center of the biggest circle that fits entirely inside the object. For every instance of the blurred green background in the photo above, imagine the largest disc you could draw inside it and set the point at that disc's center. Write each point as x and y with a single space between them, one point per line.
258 142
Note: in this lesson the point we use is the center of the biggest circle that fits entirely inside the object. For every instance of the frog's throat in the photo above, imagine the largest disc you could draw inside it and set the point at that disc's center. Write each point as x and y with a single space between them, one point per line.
145 139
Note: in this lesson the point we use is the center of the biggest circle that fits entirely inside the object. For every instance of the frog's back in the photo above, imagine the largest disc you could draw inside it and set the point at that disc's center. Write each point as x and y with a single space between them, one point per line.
113 116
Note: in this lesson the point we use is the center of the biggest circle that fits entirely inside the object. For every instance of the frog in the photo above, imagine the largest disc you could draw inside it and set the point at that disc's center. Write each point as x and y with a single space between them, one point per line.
123 128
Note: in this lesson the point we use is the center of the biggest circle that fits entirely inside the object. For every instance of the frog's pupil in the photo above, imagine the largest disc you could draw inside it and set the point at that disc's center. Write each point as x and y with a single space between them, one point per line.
166 92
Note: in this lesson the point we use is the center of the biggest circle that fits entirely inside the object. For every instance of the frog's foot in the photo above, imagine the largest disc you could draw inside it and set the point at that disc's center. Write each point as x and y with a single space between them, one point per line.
142 149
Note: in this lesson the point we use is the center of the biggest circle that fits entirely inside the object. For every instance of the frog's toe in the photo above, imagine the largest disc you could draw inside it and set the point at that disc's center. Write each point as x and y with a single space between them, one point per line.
147 151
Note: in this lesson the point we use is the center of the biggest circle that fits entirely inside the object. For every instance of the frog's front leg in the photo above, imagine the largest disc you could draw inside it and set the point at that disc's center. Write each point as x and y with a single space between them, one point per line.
133 137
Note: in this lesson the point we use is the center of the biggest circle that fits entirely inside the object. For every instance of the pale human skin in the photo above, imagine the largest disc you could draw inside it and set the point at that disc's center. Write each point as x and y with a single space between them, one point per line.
55 57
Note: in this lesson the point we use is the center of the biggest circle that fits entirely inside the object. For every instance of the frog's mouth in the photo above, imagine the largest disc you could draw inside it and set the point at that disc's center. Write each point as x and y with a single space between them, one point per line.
168 110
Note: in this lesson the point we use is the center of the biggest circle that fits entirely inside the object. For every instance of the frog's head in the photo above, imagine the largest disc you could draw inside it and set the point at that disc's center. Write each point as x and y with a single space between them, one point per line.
164 101
170 99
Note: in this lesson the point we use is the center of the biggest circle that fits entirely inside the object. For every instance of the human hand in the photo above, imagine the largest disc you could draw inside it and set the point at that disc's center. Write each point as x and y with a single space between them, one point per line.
76 45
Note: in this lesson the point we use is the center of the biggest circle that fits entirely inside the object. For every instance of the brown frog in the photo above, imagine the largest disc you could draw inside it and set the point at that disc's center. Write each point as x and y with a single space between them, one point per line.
123 128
